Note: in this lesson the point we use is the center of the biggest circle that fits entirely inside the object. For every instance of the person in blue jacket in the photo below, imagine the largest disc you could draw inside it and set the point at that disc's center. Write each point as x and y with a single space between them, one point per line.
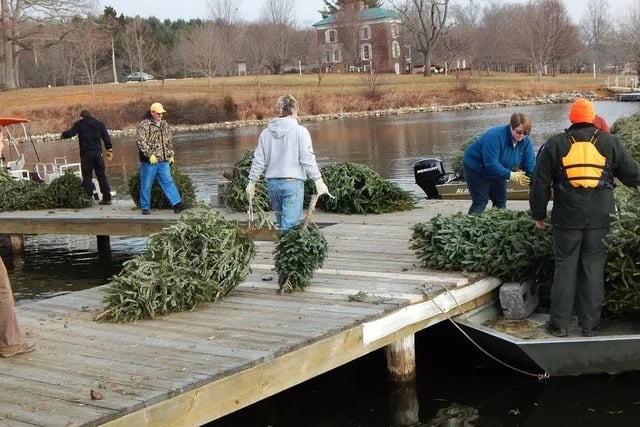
501 154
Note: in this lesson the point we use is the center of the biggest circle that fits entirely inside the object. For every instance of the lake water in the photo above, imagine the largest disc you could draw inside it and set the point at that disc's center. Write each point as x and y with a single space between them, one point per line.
457 386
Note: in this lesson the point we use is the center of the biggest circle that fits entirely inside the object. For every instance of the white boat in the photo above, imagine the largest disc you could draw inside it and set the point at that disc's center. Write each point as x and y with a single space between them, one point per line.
525 344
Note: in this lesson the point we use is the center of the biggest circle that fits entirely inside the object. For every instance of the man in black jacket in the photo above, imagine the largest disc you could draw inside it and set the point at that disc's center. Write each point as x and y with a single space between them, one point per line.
583 202
90 131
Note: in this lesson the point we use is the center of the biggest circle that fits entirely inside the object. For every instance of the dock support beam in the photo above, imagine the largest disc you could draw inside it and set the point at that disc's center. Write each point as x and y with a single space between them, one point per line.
401 359
401 364
17 248
104 246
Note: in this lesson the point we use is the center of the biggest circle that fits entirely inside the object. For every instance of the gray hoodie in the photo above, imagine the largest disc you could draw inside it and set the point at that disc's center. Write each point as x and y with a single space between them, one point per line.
285 151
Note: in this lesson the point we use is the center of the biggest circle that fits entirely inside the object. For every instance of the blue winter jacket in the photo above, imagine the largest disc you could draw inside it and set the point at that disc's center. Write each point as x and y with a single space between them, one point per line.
493 154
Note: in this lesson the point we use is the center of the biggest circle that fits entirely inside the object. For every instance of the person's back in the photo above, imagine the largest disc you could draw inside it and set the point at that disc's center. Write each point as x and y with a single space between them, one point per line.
286 146
580 207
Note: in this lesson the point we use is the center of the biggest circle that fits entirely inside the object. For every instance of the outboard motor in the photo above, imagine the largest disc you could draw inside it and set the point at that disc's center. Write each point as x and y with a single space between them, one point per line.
428 173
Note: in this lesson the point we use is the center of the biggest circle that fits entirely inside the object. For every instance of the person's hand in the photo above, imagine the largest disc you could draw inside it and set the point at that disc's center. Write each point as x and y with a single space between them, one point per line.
321 188
520 177
539 223
250 190
153 159
109 154
171 160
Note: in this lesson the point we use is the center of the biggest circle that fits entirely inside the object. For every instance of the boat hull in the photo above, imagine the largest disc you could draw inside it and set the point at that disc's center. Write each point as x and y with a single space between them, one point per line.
524 343
458 190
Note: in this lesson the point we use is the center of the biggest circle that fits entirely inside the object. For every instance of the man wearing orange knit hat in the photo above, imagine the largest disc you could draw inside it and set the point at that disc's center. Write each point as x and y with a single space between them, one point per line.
579 165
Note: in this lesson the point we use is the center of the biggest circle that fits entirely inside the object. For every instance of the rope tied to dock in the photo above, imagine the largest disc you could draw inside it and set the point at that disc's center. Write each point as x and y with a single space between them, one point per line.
539 376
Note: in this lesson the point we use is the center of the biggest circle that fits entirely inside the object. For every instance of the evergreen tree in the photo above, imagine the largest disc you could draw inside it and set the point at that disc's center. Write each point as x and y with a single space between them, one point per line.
335 5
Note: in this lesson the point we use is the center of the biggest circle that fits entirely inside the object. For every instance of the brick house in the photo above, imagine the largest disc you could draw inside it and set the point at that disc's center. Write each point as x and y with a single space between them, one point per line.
356 38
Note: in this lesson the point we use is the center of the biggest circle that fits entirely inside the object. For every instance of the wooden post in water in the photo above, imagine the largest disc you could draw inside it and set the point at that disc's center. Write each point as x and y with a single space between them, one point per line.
17 248
401 359
104 246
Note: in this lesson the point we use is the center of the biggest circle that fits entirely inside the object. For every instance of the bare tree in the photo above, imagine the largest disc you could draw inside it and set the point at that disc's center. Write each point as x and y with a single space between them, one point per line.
112 24
596 27
23 28
460 43
551 35
278 17
138 48
90 50
426 21
226 16
202 48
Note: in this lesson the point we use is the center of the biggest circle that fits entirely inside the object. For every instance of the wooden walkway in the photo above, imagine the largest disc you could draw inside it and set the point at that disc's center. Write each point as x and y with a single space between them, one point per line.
187 369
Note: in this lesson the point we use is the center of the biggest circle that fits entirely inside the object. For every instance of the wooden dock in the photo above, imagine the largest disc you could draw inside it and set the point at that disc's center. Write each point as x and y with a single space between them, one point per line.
187 369
628 97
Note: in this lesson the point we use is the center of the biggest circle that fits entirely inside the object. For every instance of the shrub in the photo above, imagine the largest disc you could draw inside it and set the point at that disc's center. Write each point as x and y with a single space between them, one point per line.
158 199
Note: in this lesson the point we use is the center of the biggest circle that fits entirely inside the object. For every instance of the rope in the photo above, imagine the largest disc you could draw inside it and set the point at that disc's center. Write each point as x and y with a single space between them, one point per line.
540 377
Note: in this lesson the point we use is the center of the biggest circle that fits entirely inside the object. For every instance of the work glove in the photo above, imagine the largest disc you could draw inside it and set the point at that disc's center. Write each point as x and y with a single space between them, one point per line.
109 154
250 190
153 159
171 160
321 187
520 177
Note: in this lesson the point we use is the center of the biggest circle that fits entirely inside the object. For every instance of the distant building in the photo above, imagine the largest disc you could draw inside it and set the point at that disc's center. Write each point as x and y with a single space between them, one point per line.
357 38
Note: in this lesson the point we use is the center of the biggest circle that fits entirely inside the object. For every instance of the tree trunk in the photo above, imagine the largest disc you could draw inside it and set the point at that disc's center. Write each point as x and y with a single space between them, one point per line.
113 61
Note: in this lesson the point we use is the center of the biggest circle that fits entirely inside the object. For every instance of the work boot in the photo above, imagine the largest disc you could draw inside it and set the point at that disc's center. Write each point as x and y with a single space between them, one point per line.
104 202
145 212
556 332
177 208
589 332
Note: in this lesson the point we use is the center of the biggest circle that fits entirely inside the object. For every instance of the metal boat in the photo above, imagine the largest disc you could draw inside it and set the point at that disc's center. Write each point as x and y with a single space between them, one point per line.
430 175
525 344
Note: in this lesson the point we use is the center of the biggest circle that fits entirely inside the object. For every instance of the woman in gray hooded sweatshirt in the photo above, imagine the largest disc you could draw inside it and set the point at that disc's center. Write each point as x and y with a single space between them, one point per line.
285 155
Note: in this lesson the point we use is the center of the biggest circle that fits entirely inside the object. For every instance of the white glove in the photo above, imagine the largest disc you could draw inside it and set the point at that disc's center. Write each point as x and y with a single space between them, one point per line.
321 187
520 177
250 190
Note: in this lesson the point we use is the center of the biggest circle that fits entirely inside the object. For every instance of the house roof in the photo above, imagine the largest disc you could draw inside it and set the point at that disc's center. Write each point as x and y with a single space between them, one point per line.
363 15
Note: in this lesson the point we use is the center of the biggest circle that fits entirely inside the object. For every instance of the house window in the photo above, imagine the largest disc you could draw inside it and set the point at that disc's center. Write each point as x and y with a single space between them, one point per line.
365 32
336 57
365 52
394 31
333 55
331 36
395 49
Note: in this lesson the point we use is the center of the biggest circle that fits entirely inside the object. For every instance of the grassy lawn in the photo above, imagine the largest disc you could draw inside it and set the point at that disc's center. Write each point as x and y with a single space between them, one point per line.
195 101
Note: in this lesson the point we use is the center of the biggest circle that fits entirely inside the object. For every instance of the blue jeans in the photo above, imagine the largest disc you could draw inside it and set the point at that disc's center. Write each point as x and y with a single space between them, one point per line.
162 171
483 188
287 198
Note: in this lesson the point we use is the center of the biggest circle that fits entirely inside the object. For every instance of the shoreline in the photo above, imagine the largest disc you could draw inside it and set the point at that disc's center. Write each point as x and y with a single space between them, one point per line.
558 98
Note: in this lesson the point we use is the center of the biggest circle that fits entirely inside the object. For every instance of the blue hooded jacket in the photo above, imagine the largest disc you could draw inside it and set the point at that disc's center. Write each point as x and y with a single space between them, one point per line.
493 154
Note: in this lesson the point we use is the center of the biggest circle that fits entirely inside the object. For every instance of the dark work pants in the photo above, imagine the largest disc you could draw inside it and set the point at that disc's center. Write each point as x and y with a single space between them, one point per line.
578 281
483 188
91 161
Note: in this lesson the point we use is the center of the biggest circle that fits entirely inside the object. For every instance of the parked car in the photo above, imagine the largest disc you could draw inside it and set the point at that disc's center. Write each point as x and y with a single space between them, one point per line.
139 77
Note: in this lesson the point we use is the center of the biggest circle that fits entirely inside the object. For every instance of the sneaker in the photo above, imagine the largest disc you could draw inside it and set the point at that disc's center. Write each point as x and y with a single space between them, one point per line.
146 211
177 208
25 347
589 332
556 332
104 202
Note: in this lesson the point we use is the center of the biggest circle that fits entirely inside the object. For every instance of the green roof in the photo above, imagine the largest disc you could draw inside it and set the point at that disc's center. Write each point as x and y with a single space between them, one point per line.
363 15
